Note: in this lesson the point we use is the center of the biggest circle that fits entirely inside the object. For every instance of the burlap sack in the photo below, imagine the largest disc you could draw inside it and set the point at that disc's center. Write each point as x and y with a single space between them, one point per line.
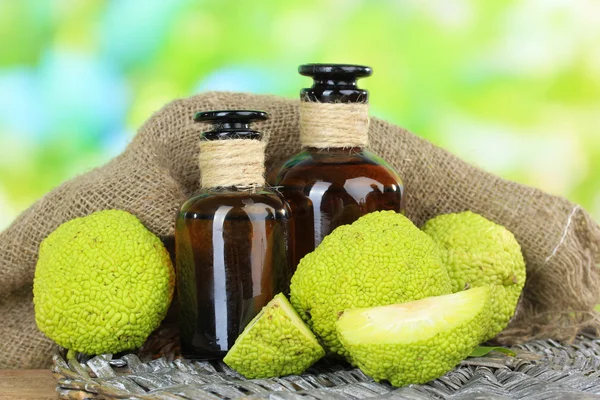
159 170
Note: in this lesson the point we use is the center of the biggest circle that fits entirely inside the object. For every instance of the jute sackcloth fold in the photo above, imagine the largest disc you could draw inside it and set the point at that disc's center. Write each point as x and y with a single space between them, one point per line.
159 170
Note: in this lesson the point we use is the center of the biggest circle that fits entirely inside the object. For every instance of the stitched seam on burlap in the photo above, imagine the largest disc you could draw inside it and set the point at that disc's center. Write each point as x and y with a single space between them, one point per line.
564 234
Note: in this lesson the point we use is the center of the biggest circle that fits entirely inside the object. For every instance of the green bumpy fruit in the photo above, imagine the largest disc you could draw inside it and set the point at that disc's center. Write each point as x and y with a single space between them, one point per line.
478 252
415 342
382 258
102 283
275 343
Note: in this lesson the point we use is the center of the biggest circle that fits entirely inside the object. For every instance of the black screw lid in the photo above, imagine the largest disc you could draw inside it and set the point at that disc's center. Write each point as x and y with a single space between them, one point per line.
231 124
335 83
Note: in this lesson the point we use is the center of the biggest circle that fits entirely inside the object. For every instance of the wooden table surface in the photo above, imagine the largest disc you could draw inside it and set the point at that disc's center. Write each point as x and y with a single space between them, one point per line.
27 384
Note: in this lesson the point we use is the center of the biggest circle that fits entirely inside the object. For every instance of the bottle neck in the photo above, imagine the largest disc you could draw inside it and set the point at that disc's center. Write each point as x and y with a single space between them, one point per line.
236 163
328 91
334 125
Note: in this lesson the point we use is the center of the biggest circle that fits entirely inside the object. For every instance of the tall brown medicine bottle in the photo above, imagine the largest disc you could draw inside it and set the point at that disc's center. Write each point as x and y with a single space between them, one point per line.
230 239
335 180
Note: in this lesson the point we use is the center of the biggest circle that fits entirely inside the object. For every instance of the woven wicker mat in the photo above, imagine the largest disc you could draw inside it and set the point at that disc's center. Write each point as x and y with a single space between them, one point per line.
542 369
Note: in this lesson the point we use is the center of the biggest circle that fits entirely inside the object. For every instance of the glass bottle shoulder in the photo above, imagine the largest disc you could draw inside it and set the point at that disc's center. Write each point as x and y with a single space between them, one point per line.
334 165
262 203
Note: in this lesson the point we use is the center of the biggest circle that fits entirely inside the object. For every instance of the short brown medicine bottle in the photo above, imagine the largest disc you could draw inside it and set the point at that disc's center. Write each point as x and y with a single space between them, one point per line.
335 180
230 239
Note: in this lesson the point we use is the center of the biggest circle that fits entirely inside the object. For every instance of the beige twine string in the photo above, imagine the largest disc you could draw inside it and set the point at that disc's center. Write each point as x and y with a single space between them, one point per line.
232 162
325 125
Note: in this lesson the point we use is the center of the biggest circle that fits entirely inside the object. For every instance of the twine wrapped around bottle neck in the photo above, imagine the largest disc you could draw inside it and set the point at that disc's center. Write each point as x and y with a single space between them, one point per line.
232 162
330 125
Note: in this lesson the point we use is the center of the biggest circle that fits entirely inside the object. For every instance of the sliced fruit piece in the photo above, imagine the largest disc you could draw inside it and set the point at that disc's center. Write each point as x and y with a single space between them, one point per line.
275 343
418 341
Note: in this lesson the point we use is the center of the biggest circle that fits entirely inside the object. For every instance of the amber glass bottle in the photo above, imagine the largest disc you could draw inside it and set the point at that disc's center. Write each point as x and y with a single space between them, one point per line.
230 239
335 180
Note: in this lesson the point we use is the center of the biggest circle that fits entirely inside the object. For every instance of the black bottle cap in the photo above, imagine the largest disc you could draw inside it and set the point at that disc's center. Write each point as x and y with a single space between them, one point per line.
231 124
335 83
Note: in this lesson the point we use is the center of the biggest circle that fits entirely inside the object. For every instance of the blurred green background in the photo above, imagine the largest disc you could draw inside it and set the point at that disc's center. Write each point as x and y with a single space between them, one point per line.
512 86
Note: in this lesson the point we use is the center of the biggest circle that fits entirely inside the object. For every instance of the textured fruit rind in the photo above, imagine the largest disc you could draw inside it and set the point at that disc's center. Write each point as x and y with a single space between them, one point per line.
275 343
102 283
382 258
422 360
479 252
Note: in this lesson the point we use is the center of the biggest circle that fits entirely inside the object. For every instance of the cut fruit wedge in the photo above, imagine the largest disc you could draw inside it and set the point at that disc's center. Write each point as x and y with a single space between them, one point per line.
275 343
418 341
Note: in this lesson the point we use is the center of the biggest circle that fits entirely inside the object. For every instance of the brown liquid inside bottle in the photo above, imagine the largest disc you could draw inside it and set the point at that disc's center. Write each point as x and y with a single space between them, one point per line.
231 254
330 187
231 261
